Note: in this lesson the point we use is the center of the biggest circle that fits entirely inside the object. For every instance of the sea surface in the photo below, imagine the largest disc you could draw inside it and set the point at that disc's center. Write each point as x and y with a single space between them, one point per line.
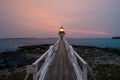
10 44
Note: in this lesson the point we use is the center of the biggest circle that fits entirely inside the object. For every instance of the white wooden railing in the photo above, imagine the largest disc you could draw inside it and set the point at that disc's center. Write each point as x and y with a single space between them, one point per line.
40 71
81 70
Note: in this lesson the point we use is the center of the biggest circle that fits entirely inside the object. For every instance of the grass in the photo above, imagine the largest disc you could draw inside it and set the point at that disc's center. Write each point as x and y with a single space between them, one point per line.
14 76
107 72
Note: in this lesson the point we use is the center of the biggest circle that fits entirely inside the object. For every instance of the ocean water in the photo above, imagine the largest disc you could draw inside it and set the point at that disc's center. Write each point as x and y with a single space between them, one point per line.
12 44
97 42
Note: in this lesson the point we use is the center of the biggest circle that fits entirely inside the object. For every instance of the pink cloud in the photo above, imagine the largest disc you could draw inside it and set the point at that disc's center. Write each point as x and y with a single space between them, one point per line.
88 32
46 16
27 13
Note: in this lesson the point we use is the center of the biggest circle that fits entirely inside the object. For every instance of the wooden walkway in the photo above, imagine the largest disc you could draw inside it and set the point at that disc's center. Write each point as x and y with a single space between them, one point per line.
61 67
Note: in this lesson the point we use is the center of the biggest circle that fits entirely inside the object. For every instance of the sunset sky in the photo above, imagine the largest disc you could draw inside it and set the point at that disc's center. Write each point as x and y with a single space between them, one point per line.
42 18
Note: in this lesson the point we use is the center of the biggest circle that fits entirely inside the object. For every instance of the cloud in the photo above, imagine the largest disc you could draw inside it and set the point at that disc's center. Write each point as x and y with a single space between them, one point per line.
25 12
23 18
87 17
88 32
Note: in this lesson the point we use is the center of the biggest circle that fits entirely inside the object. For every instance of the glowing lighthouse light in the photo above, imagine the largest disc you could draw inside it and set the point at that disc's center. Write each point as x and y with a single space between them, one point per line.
61 29
61 33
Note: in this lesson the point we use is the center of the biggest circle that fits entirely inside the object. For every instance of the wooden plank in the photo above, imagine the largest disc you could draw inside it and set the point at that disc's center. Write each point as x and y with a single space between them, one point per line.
61 67
66 70
60 74
56 67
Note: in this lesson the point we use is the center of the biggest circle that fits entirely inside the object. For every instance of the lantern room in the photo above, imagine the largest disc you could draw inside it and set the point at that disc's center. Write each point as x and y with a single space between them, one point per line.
61 32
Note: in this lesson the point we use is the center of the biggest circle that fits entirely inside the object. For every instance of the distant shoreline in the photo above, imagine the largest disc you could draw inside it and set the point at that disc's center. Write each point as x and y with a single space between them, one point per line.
28 38
84 46
115 37
35 46
10 44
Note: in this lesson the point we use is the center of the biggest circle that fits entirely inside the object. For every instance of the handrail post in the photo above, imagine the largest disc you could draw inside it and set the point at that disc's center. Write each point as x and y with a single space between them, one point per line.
84 71
32 69
34 76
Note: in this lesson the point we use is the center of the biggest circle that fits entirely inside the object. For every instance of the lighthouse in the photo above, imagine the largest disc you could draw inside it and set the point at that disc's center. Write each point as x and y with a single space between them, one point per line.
61 33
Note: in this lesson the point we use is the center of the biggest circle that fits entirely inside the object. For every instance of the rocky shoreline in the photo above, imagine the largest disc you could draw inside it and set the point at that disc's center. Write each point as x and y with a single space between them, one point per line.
13 63
104 62
101 60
